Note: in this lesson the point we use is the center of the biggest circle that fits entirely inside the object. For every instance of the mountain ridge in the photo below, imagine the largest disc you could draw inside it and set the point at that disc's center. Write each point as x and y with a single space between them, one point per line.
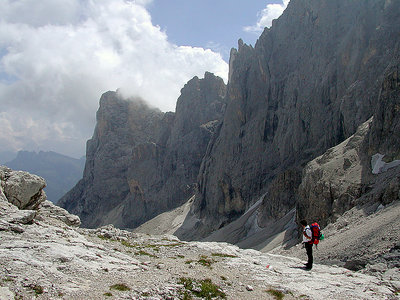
61 172
142 162
305 87
319 73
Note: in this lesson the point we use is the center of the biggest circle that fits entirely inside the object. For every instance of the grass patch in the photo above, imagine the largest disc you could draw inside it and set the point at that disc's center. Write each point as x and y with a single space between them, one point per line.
180 256
38 289
120 287
104 238
204 289
142 252
277 294
205 261
154 247
127 244
223 255
223 278
172 245
108 294
8 279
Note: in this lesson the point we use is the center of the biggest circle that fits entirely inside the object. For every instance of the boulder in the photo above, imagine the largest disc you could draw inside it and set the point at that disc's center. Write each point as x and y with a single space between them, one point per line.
49 210
22 189
21 216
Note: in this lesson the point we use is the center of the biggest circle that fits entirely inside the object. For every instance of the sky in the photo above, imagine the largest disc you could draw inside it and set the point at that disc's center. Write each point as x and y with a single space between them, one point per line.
58 56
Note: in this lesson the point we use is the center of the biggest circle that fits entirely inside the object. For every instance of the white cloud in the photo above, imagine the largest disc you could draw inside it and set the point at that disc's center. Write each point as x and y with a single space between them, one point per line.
265 17
58 56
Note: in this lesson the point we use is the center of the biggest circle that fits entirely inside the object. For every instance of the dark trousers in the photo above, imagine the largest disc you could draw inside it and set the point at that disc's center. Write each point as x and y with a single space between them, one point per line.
309 255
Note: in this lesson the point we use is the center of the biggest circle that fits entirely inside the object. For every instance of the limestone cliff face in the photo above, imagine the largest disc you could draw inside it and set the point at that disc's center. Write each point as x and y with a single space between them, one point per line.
342 177
140 161
308 83
385 133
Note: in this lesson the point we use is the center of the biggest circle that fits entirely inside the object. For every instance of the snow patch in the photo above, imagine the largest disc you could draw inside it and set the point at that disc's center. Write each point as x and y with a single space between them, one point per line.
379 166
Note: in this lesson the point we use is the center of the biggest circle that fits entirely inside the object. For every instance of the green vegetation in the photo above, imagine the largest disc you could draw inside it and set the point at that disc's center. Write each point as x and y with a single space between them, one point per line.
277 294
120 287
142 252
172 245
180 256
223 255
154 247
223 278
8 279
108 294
127 244
38 289
104 238
204 289
205 261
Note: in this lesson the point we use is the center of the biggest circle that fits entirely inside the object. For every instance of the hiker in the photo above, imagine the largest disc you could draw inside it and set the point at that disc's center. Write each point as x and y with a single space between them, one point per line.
307 241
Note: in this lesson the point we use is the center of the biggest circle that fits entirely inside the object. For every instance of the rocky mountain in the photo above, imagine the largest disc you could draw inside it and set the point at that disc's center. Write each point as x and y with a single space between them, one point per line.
60 172
6 156
140 161
44 255
344 176
308 83
307 127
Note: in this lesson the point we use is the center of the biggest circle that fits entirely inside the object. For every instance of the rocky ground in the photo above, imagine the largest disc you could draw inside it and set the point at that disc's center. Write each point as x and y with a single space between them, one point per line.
363 239
51 260
44 255
47 261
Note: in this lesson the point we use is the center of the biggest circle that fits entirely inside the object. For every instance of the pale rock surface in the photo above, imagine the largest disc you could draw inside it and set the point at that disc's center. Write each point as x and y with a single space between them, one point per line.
22 188
6 294
379 166
49 210
68 263
167 222
364 238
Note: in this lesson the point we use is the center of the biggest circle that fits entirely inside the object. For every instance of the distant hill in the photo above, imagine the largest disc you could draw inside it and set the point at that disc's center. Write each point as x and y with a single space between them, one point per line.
60 172
6 156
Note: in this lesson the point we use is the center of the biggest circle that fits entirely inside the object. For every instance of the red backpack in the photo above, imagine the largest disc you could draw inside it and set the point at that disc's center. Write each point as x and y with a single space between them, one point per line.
316 234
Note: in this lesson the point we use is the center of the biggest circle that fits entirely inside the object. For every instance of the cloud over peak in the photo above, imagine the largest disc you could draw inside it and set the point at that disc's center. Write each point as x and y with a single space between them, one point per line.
265 17
58 56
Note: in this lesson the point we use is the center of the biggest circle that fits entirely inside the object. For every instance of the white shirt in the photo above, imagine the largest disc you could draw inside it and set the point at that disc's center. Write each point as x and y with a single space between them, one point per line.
307 230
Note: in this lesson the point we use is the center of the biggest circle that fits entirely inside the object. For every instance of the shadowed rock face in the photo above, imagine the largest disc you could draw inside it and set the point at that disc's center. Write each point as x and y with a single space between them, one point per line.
385 133
306 86
140 161
342 177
